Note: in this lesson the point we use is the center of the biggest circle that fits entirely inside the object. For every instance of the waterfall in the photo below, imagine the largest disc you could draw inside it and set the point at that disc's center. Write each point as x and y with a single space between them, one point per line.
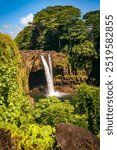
50 65
49 77
48 74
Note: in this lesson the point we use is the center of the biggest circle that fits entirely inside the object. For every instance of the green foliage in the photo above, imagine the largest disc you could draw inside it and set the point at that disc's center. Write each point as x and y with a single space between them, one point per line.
7 67
49 28
82 55
92 20
17 115
12 96
24 38
31 136
52 16
54 111
87 101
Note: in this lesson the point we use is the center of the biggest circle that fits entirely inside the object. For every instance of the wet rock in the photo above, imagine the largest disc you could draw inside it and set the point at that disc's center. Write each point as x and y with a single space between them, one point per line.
70 137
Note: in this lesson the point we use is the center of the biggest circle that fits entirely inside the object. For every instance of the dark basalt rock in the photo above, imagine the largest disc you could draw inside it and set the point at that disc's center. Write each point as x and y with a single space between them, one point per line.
6 143
71 137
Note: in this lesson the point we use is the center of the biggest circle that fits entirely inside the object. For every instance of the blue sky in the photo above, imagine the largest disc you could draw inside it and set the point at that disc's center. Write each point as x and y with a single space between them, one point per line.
14 14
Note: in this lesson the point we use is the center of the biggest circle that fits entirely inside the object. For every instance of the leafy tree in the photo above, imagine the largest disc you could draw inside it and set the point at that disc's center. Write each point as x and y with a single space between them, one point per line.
24 38
82 56
53 15
92 20
50 24
93 23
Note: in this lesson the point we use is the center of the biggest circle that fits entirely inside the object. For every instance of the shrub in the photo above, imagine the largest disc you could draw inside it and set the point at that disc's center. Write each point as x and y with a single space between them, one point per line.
31 136
54 111
87 102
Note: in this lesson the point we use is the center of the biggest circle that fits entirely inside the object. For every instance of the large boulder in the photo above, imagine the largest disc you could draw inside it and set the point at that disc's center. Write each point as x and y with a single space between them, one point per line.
71 137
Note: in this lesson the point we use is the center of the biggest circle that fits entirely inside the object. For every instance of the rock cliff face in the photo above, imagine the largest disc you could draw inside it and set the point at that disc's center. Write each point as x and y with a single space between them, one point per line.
33 67
33 63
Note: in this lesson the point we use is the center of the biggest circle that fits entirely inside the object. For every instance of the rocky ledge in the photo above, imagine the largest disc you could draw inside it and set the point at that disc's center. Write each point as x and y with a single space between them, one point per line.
32 60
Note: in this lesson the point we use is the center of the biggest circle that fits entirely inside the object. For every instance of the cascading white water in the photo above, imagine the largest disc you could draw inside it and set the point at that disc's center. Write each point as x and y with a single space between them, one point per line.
49 77
48 74
50 65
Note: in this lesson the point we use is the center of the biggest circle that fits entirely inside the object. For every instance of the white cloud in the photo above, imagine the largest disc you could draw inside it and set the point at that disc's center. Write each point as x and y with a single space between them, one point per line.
6 26
29 18
17 28
11 30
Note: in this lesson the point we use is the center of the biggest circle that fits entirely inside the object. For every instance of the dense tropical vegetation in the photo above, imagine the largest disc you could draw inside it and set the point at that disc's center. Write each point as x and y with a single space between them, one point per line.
62 29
